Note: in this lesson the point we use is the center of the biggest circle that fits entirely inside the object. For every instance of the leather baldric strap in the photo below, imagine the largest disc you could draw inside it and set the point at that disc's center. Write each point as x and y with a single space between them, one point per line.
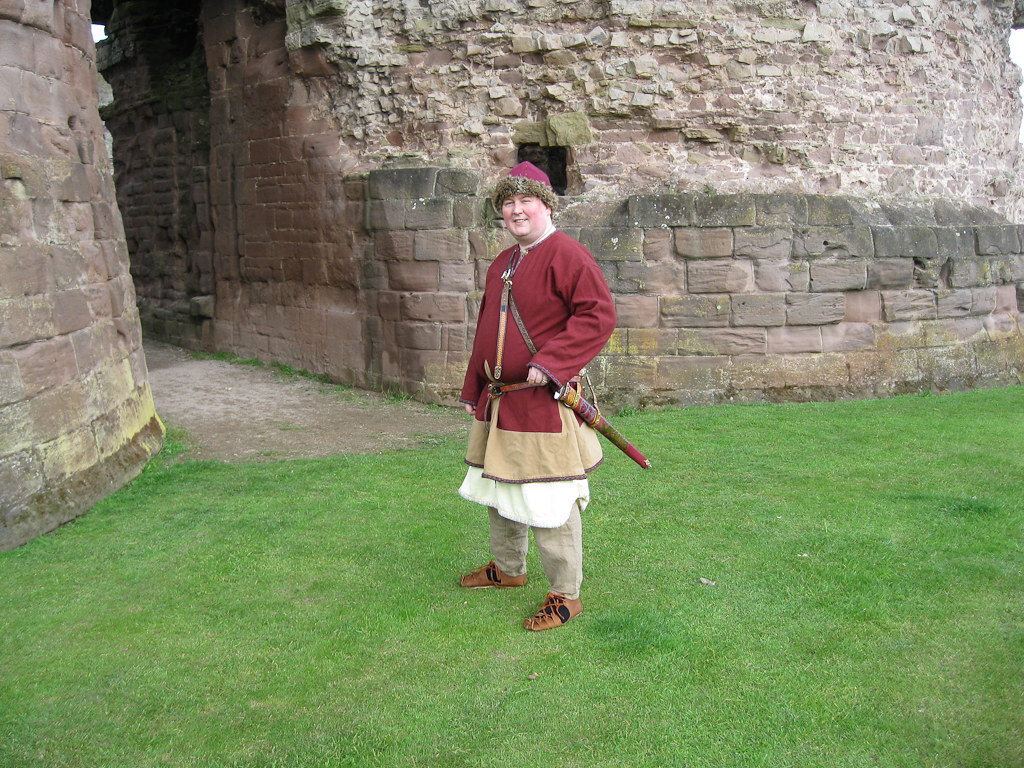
508 305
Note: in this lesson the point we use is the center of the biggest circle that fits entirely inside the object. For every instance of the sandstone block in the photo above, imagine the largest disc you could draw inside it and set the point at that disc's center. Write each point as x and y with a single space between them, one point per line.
758 309
847 337
780 210
68 454
25 271
953 303
1015 269
719 276
971 273
637 311
726 211
613 243
833 211
651 342
387 214
983 300
999 327
657 244
403 183
453 181
764 242
1006 299
413 276
433 307
389 306
909 242
74 310
21 475
628 276
968 328
423 365
794 339
599 213
723 341
390 245
908 305
469 212
11 387
781 275
456 277
695 379
59 411
418 335
695 311
429 213
840 275
441 245
651 211
45 364
891 273
699 243
68 267
617 344
569 129
662 279
833 242
16 427
25 319
815 308
633 373
993 241
120 425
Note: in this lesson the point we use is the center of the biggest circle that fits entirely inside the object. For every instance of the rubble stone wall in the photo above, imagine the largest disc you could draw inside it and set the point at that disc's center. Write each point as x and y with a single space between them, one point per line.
897 100
76 413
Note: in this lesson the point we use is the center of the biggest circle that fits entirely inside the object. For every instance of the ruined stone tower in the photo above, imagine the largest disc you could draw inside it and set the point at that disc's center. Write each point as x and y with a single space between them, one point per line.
76 413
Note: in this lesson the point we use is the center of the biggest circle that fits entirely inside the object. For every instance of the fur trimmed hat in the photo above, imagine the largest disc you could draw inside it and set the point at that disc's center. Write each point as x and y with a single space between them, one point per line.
525 179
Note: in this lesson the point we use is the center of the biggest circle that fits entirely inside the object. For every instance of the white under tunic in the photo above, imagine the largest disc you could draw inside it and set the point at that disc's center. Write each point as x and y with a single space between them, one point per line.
543 505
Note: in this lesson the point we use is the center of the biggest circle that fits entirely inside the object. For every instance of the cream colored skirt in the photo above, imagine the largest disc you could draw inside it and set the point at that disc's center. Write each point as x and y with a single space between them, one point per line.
543 505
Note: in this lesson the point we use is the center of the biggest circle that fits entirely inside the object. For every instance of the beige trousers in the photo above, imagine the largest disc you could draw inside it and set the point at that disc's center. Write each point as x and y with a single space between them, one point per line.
561 550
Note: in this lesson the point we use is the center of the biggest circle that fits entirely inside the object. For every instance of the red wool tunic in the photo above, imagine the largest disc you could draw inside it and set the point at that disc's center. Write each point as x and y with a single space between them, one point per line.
569 313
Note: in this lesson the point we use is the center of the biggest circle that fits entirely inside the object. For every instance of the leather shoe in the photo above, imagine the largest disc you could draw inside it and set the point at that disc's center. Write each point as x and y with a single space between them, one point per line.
556 611
491 575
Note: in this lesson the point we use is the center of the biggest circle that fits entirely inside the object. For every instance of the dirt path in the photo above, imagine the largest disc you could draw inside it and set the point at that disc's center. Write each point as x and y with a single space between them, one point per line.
236 412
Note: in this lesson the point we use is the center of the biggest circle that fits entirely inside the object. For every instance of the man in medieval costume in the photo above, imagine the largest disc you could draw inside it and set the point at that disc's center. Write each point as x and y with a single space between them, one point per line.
546 312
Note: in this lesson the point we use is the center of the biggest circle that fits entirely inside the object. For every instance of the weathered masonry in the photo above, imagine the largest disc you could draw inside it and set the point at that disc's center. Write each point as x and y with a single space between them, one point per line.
807 200
76 412
719 297
790 200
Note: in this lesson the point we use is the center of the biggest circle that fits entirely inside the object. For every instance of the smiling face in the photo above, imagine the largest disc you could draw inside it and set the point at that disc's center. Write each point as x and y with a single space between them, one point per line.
526 217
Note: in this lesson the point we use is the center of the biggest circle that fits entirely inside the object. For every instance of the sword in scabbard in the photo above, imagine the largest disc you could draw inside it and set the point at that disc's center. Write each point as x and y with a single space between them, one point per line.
573 399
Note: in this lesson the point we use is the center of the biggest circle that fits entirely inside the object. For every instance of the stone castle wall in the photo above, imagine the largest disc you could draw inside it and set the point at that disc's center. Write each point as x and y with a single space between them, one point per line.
885 130
898 100
720 298
76 412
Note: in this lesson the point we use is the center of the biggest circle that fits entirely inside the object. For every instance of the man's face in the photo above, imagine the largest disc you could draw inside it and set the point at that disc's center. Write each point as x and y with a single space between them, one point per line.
526 217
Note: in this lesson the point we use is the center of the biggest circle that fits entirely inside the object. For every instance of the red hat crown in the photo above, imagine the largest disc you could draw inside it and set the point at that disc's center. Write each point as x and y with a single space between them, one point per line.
525 179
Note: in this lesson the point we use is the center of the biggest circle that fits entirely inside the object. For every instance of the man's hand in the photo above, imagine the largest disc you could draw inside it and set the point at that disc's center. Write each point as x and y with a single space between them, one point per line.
470 409
536 376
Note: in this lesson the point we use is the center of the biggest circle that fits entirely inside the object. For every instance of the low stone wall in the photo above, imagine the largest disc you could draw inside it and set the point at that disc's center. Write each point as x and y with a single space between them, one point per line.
77 419
719 298
779 297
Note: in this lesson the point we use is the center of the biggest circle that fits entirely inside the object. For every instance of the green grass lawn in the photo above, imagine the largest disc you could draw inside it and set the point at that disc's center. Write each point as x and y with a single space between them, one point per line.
836 584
